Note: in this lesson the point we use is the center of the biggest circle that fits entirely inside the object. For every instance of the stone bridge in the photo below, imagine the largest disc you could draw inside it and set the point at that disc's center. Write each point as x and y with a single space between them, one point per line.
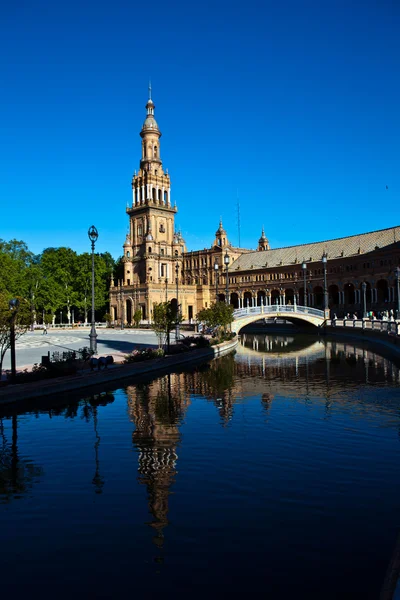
290 312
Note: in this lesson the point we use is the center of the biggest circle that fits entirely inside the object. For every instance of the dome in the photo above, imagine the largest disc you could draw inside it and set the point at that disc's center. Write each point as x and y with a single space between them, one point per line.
220 229
150 124
262 238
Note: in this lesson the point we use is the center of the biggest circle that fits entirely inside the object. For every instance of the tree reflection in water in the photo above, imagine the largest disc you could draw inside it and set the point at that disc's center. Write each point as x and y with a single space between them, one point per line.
17 474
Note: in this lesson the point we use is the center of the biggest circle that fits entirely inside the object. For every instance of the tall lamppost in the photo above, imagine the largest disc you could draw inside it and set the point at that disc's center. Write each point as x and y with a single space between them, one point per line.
398 291
324 261
13 306
216 267
226 261
177 302
364 291
93 235
304 267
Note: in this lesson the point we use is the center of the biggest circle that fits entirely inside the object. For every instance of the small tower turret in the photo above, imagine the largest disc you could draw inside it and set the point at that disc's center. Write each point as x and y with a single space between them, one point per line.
221 238
263 243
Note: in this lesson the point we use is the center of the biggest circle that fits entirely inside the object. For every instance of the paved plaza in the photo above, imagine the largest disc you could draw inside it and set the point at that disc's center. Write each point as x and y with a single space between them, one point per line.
33 345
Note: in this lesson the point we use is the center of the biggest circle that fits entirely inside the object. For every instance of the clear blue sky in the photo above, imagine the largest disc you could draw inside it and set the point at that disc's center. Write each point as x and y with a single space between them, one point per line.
293 105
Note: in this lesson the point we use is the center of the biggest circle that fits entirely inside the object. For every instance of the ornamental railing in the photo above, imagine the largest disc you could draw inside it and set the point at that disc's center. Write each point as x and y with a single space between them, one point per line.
274 309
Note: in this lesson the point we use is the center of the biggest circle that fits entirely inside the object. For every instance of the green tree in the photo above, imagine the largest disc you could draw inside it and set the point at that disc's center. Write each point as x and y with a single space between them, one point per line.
137 317
15 260
217 315
165 319
22 320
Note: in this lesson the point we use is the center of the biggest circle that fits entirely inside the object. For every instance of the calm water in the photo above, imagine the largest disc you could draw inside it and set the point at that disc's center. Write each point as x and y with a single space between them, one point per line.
276 472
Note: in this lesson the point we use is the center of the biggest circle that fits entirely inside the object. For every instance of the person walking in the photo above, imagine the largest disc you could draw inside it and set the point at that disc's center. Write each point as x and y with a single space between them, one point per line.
44 329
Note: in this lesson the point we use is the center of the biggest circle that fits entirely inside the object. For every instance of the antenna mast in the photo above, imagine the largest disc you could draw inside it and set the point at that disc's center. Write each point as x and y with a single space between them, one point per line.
238 214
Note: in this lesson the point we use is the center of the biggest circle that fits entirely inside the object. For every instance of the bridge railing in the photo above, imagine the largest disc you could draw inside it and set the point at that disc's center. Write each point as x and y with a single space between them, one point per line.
273 309
389 327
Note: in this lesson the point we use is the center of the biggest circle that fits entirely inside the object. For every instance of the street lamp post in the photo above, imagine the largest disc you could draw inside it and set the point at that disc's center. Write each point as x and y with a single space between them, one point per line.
60 318
304 267
93 235
13 306
216 267
324 261
398 291
177 303
364 291
226 261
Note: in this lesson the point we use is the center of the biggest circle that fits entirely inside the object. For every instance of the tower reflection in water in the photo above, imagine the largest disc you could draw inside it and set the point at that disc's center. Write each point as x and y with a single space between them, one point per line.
157 411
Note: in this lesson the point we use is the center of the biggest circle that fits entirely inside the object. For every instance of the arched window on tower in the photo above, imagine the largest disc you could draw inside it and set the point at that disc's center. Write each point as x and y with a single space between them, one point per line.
154 191
155 152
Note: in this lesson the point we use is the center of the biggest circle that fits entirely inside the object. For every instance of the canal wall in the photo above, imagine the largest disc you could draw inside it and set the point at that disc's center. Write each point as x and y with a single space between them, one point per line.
86 379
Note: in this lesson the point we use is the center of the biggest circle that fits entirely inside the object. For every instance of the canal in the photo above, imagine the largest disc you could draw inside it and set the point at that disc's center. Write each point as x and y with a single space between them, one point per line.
274 471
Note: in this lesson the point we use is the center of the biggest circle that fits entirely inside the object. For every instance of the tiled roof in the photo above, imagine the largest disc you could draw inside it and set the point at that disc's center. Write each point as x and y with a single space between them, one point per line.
353 245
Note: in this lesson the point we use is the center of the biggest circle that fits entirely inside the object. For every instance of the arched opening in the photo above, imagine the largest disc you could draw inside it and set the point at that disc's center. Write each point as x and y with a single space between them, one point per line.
275 295
235 300
154 192
383 291
247 300
333 295
114 313
128 312
349 294
160 196
155 152
318 297
221 297
260 298
289 296
165 197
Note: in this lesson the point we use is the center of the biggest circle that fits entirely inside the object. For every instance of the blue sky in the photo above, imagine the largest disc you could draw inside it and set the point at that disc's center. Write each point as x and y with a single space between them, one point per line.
291 106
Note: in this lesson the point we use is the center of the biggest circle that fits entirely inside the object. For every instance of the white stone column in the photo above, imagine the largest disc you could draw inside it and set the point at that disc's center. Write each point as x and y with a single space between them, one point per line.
142 198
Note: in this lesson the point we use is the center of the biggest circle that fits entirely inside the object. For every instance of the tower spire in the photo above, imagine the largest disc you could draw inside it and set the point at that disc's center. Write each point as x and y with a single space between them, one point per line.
149 89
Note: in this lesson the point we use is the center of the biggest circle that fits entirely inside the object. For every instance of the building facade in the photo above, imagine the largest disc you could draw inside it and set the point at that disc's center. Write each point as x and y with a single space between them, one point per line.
158 267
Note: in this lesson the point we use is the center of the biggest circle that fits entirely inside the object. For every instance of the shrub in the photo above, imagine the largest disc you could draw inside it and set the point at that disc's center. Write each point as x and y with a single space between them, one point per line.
140 355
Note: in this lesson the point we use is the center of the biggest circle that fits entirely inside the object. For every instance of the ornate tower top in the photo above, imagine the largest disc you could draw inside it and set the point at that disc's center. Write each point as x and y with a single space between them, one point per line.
221 238
263 243
150 124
